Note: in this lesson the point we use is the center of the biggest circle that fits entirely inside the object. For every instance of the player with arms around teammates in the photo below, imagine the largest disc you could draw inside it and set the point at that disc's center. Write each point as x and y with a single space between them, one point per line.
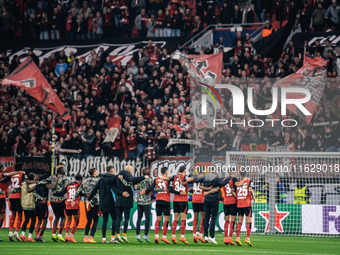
245 194
163 207
4 179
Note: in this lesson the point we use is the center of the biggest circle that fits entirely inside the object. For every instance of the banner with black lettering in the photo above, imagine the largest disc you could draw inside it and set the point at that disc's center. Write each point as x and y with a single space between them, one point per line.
81 165
41 166
118 50
299 39
172 163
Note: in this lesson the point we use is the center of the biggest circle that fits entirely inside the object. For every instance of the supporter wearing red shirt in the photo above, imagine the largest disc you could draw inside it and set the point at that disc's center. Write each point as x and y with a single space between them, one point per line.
131 142
159 24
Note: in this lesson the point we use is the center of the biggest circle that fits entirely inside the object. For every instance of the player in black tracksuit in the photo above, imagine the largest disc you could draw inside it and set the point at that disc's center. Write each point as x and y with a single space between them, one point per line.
105 186
212 184
124 203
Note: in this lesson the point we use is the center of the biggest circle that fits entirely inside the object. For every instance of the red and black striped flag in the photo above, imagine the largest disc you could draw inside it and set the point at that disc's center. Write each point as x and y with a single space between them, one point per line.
28 77
311 76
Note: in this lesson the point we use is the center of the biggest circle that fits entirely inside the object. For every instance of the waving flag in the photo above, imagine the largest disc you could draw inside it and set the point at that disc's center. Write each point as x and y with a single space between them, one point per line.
311 76
114 126
205 69
184 125
27 76
272 46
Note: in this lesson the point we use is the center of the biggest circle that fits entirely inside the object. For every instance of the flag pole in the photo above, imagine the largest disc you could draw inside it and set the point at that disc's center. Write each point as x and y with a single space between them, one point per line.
53 143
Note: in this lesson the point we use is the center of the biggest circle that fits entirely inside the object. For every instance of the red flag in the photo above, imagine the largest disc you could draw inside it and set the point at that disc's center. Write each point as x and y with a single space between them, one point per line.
311 76
113 125
184 125
114 122
27 76
206 69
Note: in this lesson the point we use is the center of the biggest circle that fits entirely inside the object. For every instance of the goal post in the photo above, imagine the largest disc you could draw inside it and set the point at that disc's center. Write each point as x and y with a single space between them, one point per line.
296 192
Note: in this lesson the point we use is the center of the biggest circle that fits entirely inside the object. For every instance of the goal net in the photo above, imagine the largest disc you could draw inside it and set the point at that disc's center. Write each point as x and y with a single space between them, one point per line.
296 192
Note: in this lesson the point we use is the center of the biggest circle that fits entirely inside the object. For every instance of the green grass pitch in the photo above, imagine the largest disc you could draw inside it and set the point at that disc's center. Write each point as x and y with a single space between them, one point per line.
263 244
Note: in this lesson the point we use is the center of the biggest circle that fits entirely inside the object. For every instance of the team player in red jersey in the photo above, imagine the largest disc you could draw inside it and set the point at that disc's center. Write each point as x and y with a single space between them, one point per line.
162 187
180 184
230 208
244 194
72 208
15 204
198 207
4 179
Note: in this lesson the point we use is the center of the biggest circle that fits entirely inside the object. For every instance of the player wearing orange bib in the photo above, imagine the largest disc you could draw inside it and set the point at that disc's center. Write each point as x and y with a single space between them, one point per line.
245 194
230 208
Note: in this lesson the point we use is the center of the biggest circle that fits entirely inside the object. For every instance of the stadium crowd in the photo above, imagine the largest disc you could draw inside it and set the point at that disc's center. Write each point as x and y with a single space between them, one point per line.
63 19
151 94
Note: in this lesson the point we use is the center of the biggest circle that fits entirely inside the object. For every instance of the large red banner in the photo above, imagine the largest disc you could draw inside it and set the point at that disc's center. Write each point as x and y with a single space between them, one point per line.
27 76
311 76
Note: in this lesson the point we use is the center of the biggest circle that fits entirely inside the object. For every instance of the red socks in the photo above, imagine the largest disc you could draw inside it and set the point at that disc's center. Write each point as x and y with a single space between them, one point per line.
37 230
17 227
54 230
194 225
67 228
226 225
157 227
174 226
231 229
202 226
165 227
11 223
238 229
248 229
183 225
74 227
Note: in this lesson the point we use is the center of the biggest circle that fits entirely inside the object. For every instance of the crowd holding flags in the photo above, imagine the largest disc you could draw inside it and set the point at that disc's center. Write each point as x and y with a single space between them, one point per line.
27 76
311 76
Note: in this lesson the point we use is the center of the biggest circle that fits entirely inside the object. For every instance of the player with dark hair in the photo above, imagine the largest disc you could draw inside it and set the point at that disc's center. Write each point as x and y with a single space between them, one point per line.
163 207
15 202
244 194
104 187
211 185
125 203
58 204
41 194
198 208
180 203
4 179
28 205
230 207
144 205
91 206
72 207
